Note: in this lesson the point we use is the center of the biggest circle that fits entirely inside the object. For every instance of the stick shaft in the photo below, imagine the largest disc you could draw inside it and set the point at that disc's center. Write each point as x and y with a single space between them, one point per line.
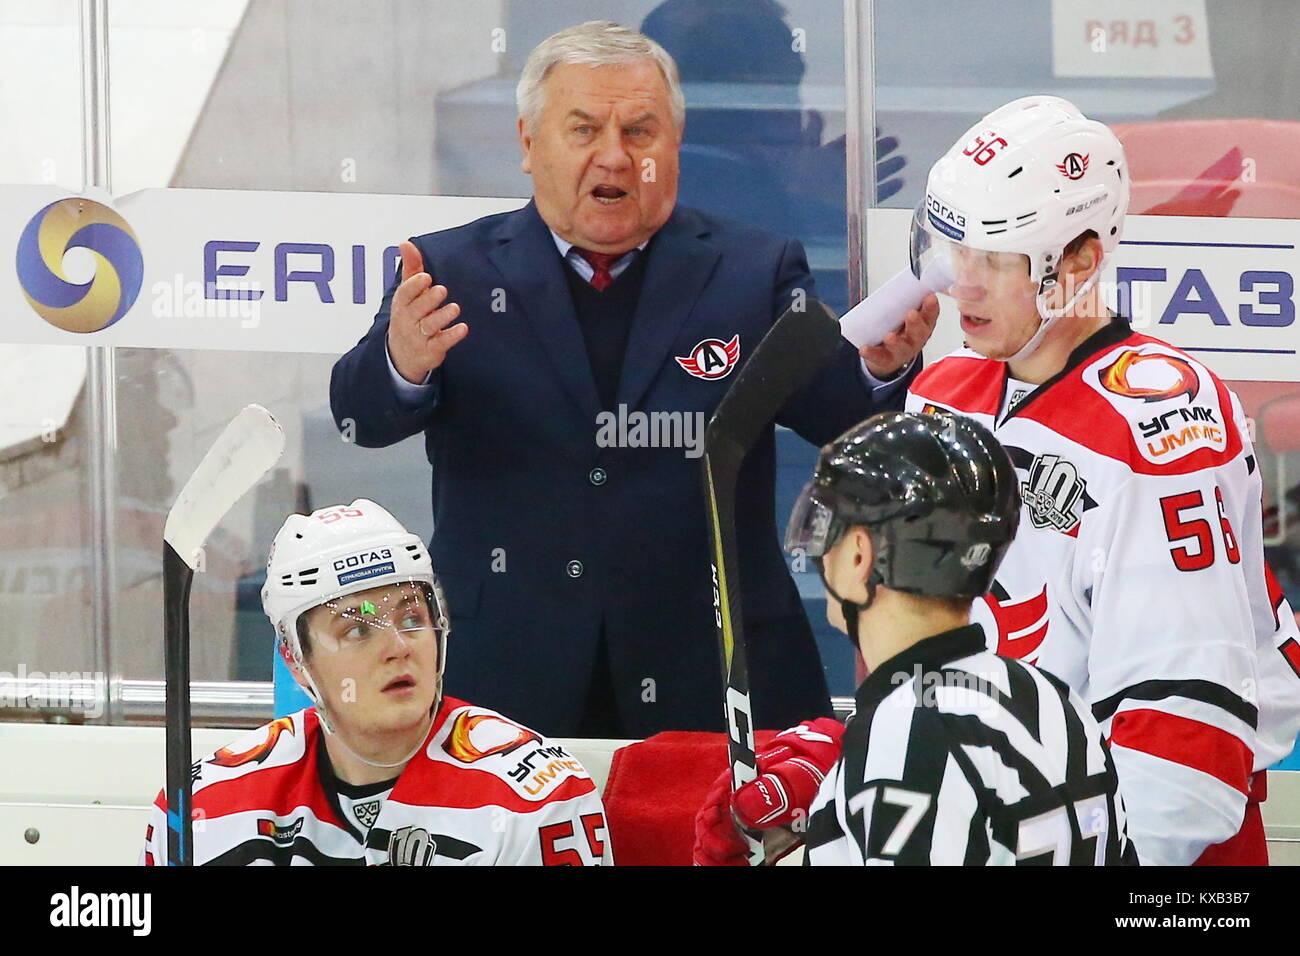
728 617
797 346
177 578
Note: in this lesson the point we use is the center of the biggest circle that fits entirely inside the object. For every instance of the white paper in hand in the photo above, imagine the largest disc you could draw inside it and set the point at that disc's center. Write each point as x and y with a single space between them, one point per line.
880 313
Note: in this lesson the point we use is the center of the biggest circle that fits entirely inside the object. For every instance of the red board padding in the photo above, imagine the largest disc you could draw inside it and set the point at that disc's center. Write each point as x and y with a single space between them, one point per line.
654 790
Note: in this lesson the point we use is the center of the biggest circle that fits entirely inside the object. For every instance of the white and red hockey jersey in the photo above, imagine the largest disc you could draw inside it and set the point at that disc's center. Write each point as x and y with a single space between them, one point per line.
483 791
1138 573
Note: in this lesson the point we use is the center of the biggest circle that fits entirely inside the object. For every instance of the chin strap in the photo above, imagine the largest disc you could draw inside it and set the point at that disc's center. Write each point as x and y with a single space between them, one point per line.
850 609
1048 317
323 715
375 763
295 656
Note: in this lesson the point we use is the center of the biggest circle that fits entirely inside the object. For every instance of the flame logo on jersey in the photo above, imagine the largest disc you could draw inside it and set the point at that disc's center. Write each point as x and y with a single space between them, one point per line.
475 736
1022 625
78 223
712 358
1185 381
1073 166
225 757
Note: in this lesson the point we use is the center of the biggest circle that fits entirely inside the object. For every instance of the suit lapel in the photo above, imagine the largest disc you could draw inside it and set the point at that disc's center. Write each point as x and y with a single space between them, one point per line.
679 265
526 256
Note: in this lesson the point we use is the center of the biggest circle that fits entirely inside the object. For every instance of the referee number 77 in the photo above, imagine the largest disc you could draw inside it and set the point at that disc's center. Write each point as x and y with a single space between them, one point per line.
1047 832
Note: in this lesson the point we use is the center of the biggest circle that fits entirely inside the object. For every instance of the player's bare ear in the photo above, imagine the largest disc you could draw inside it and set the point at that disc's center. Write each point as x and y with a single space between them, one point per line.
1090 255
864 555
1083 256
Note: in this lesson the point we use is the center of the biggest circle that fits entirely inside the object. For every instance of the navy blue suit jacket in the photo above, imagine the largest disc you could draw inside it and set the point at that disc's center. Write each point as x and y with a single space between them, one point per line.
510 429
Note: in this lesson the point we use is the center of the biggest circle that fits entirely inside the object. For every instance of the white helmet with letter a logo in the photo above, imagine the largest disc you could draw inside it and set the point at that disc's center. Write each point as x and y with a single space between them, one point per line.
1025 181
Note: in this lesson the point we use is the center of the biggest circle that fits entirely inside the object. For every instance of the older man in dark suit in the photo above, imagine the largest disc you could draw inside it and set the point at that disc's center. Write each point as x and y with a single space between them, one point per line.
563 413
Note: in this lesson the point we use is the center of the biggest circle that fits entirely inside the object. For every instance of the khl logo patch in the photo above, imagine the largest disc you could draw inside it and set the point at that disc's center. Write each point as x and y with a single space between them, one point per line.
367 813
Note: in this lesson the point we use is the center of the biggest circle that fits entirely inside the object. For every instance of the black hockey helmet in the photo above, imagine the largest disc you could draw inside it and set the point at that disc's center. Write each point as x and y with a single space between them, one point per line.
937 493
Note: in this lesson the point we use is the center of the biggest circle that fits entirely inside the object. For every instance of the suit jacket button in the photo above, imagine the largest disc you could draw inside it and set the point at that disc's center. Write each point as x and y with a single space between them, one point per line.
597 476
574 568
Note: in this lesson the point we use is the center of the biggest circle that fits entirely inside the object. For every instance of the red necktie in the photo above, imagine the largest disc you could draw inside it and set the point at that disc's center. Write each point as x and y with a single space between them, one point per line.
600 262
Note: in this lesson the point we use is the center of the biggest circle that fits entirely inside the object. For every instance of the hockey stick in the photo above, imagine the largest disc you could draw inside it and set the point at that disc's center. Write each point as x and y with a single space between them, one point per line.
799 344
241 455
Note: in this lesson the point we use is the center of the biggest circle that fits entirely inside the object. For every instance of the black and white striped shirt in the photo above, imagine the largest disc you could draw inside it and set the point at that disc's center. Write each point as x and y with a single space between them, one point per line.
956 756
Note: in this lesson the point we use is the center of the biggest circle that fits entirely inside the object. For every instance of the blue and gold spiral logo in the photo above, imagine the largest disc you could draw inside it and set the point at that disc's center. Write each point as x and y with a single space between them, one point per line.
78 223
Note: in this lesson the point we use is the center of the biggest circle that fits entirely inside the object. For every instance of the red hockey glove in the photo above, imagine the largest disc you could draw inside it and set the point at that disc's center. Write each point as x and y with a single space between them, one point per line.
717 841
792 768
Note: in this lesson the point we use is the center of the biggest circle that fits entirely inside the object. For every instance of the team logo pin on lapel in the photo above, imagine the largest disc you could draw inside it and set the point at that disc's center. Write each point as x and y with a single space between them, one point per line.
711 358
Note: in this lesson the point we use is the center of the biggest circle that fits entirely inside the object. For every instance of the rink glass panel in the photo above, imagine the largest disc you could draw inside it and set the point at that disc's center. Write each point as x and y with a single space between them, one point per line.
385 98
45 536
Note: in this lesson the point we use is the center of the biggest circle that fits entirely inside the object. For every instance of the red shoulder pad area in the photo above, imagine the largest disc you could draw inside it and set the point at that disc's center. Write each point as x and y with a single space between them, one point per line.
478 758
276 786
964 382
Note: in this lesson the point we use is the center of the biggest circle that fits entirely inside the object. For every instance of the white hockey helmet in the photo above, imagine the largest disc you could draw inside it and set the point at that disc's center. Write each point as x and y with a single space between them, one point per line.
335 551
1027 179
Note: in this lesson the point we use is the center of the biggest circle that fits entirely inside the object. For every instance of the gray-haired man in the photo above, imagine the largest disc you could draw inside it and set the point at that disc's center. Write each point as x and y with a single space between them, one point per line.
574 554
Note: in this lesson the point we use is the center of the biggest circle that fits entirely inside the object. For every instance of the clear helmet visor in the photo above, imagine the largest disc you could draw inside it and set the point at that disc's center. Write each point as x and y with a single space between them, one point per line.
411 611
942 260
813 528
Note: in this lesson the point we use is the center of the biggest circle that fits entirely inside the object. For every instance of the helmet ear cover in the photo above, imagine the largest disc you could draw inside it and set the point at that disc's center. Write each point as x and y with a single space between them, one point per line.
944 555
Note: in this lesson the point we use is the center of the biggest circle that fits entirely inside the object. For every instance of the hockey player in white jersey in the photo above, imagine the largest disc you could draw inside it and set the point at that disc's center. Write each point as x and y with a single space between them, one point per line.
384 769
954 755
1139 575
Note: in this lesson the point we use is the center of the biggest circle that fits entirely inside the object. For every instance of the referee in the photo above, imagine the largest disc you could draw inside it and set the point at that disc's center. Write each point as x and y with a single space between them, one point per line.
954 756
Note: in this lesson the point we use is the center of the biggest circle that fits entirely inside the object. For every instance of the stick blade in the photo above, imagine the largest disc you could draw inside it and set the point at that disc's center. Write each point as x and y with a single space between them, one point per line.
248 448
